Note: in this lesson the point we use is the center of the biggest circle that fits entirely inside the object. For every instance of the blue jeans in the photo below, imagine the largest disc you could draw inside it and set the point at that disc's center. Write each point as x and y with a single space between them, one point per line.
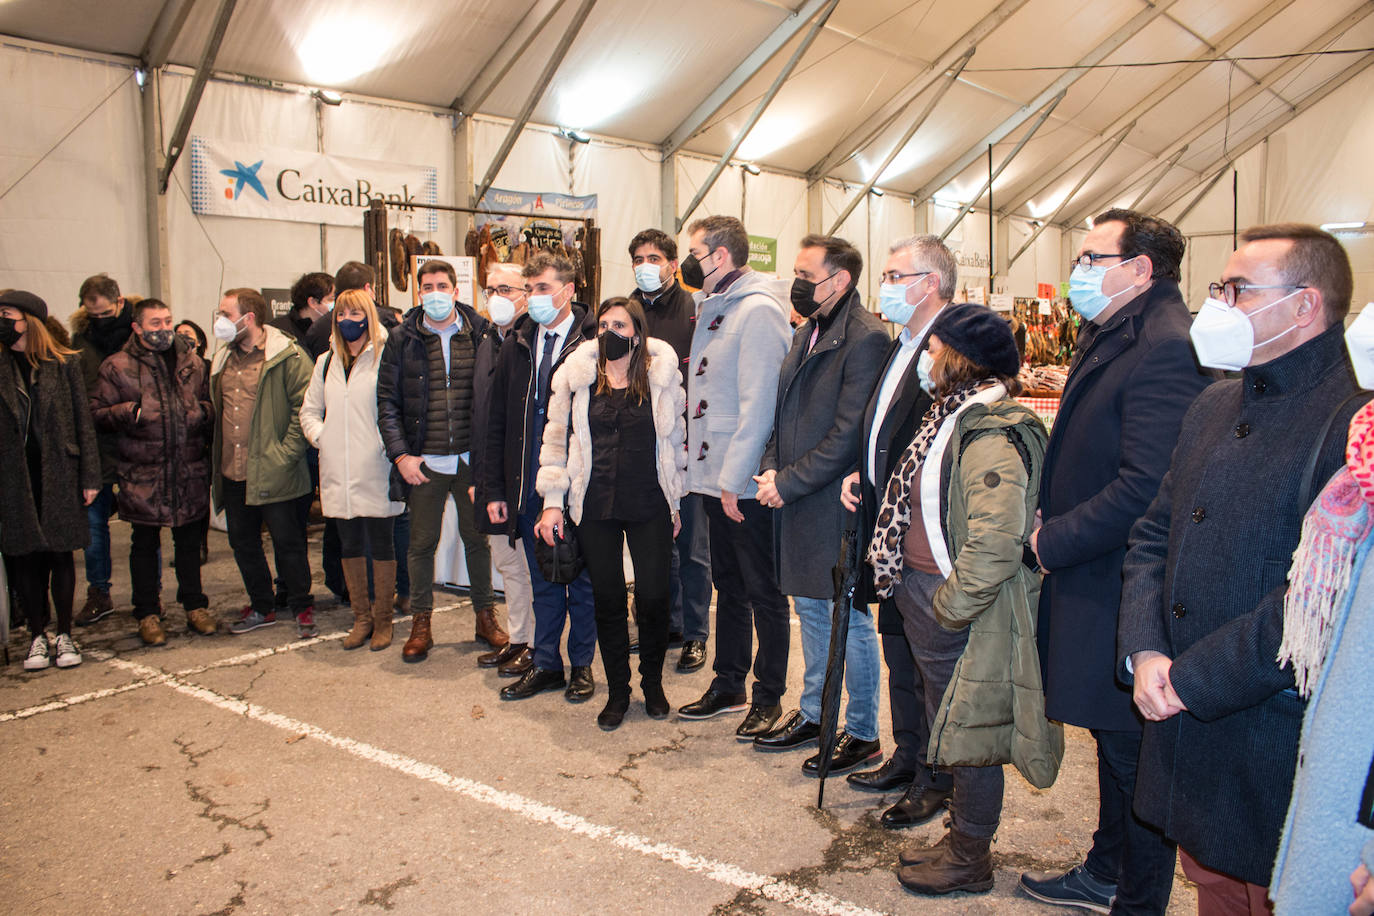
98 565
554 604
690 573
860 665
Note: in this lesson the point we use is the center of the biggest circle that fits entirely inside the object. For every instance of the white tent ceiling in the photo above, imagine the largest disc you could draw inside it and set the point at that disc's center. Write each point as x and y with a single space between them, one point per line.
639 68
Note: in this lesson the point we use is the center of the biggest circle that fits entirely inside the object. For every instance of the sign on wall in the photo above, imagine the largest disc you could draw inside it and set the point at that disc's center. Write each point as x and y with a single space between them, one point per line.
536 227
268 182
278 300
763 254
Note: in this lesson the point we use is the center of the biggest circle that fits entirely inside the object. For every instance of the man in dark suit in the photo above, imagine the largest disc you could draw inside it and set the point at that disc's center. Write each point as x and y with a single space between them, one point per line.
824 383
917 282
1131 380
1205 578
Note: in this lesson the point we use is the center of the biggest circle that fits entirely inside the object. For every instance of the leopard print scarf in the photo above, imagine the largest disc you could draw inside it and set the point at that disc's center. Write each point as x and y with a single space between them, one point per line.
894 516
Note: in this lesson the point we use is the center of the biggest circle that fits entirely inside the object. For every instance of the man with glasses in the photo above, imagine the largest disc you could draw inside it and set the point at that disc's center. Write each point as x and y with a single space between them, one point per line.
918 281
1202 609
1131 379
506 303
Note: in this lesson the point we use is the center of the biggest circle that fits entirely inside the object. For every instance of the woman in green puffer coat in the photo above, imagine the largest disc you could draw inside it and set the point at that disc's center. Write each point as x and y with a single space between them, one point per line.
948 547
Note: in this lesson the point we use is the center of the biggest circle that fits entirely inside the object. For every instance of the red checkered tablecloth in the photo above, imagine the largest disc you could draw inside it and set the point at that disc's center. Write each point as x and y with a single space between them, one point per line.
1046 408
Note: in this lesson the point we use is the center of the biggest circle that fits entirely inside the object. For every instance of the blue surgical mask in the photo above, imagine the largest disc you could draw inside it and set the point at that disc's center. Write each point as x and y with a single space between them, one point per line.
437 305
647 278
542 309
924 363
1085 289
892 303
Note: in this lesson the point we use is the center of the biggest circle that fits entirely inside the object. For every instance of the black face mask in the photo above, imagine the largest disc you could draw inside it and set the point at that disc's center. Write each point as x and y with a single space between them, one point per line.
9 334
112 332
612 346
804 296
692 274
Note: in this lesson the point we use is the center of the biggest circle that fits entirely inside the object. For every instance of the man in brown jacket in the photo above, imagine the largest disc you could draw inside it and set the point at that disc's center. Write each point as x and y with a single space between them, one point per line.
151 396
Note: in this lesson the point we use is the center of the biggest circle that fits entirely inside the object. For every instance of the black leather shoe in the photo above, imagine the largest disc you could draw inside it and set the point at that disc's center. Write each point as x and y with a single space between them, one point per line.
535 680
884 779
581 685
796 731
655 703
758 721
850 752
500 656
713 704
693 655
920 804
610 718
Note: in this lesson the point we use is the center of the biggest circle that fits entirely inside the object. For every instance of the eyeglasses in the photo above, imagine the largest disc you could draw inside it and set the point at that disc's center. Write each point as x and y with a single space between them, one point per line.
1228 290
1088 259
891 276
509 292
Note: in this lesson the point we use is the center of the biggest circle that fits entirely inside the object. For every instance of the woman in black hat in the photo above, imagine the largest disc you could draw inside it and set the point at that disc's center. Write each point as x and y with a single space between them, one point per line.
45 429
947 547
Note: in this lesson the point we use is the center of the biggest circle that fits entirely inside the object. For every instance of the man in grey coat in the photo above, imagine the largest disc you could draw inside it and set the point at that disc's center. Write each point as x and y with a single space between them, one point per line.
822 391
1204 578
737 350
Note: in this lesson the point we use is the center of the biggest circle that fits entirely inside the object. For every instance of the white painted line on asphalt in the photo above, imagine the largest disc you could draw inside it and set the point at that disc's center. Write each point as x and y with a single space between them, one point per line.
731 875
78 699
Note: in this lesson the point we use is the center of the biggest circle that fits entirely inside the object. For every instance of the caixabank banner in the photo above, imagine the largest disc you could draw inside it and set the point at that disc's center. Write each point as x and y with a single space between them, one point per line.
267 182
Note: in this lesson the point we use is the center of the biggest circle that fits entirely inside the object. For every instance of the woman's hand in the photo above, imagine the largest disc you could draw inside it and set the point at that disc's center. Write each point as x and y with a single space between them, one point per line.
550 522
1364 892
677 525
88 496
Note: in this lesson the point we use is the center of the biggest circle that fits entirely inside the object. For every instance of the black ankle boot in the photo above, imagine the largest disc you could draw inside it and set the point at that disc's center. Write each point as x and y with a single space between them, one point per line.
616 706
655 703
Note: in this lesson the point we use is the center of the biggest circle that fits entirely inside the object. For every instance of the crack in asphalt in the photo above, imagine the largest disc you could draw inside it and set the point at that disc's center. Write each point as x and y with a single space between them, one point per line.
221 821
224 850
381 896
632 761
192 757
234 903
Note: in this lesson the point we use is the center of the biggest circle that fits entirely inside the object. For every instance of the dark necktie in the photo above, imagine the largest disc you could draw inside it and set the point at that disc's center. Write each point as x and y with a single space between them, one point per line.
545 365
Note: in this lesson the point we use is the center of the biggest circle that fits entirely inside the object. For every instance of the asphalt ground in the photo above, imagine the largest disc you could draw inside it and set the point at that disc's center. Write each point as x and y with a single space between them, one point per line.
267 774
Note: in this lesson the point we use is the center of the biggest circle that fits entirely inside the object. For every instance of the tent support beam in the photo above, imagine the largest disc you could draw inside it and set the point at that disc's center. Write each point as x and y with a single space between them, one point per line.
1154 183
170 20
910 132
192 102
864 135
501 61
1219 115
816 26
1206 189
155 202
1101 161
545 77
742 74
1223 163
667 186
1154 98
967 208
1112 43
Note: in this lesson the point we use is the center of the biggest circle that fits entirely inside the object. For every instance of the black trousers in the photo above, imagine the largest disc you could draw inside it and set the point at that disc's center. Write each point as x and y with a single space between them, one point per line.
31 576
910 730
651 549
747 601
288 542
356 535
1133 854
145 558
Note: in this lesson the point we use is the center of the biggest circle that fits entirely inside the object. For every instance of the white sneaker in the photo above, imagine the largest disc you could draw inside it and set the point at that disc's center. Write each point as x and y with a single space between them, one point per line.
68 655
38 654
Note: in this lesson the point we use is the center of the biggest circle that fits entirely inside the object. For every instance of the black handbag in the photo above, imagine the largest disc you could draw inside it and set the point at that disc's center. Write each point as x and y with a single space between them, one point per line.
562 563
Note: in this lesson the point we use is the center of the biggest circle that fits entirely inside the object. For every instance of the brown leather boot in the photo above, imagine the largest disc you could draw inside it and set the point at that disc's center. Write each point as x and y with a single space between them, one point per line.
420 641
965 864
919 855
489 631
384 586
355 577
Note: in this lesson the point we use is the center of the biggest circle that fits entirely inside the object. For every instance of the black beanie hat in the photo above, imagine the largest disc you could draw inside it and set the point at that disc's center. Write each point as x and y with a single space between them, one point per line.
25 301
979 334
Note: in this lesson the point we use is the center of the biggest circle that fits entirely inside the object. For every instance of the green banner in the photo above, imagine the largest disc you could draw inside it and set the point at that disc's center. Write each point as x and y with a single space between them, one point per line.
763 254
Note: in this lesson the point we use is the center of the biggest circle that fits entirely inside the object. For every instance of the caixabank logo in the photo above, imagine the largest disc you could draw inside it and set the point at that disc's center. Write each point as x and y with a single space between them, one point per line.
234 179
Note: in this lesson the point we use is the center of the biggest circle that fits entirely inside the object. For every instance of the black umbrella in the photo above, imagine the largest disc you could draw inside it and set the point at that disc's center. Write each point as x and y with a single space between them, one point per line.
845 574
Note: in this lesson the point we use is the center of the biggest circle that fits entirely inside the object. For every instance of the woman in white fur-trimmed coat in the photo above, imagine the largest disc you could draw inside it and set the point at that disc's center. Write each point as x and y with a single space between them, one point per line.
620 473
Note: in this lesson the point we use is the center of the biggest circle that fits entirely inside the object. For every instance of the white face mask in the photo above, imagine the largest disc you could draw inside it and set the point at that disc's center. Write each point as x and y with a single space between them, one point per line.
1224 337
226 329
501 310
1359 342
924 364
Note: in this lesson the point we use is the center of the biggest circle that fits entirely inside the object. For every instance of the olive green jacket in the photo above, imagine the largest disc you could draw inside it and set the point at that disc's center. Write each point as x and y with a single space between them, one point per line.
993 711
277 469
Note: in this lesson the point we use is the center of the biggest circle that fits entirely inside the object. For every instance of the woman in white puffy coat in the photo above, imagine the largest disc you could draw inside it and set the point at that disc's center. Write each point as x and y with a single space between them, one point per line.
339 417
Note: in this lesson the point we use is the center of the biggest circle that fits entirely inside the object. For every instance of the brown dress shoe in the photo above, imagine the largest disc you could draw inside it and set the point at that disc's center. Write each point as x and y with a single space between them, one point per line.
517 666
498 657
489 631
97 606
420 641
151 632
201 621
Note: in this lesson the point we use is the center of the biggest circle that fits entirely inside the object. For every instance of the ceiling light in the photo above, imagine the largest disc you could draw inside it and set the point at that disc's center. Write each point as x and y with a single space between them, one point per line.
328 96
876 192
1337 227
574 135
140 76
751 168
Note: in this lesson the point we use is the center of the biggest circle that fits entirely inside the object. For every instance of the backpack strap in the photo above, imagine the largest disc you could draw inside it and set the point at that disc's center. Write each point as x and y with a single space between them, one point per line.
1309 482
